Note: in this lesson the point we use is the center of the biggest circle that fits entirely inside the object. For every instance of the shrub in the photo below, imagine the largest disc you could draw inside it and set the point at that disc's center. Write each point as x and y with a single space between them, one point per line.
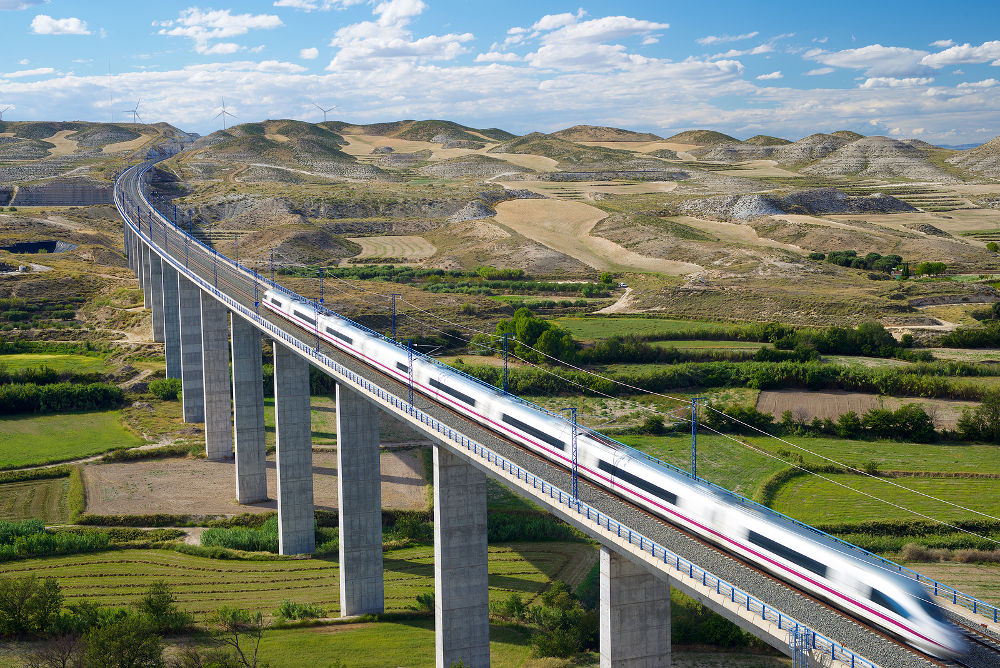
817 256
159 605
993 247
58 397
167 389
28 605
264 539
289 610
129 641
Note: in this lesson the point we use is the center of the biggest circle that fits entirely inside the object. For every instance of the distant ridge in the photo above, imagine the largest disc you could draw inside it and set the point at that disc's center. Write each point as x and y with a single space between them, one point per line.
701 137
431 130
849 135
602 133
766 140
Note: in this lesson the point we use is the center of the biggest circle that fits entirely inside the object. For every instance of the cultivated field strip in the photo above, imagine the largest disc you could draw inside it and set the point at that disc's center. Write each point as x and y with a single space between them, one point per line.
203 585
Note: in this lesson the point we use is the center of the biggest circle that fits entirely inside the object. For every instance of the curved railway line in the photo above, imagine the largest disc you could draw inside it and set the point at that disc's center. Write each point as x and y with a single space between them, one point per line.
852 633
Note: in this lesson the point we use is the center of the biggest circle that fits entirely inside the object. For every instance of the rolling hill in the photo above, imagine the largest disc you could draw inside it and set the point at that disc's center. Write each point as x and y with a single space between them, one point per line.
983 159
601 133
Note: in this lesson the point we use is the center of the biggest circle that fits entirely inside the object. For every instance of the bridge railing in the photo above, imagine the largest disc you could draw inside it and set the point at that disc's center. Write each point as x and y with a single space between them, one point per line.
679 566
976 606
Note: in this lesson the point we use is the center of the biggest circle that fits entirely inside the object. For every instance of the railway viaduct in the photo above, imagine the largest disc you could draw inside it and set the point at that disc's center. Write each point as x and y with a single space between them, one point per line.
205 310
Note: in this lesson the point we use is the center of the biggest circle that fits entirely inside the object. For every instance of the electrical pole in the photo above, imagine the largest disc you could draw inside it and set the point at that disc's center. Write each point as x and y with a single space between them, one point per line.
505 339
572 413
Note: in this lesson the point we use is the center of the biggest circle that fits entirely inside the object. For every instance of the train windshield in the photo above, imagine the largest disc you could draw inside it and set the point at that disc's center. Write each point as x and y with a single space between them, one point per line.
931 609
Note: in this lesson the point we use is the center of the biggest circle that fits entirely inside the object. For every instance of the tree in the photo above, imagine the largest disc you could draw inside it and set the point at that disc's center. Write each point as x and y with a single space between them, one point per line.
241 631
28 605
983 422
993 247
59 652
159 605
129 642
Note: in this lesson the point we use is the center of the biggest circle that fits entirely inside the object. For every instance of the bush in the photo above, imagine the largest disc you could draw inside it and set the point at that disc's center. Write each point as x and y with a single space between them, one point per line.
817 256
130 641
159 606
58 397
983 422
264 539
29 538
28 605
289 610
167 389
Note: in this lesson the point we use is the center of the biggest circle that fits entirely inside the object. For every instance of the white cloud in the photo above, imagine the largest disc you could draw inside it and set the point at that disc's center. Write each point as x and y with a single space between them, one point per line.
553 21
819 71
204 26
650 39
716 39
43 24
39 71
580 45
978 85
220 48
964 53
15 5
312 5
497 57
735 53
23 61
902 132
942 43
891 82
820 40
875 59
310 53
368 45
773 75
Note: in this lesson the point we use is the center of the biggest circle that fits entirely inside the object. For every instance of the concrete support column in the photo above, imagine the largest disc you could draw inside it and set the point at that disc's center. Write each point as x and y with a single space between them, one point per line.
215 379
156 293
248 412
147 301
192 384
635 615
171 321
461 588
359 493
292 426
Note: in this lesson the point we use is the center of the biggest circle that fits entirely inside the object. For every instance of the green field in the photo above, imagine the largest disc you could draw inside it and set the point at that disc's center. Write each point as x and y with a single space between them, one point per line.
720 460
589 329
62 363
203 585
814 500
719 345
27 440
35 499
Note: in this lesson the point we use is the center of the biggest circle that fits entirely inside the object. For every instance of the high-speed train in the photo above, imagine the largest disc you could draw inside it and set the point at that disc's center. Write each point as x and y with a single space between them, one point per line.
845 578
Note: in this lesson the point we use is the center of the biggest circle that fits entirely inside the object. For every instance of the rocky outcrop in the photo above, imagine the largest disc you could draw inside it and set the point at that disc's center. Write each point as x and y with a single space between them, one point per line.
472 166
984 160
474 210
378 150
880 157
463 143
817 201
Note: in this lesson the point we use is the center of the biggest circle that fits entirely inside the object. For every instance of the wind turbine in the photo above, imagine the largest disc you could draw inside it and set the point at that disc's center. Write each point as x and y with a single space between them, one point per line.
5 109
223 113
135 112
324 110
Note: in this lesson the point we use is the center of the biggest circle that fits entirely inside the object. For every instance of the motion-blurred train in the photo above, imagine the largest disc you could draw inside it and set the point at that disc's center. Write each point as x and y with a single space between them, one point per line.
847 579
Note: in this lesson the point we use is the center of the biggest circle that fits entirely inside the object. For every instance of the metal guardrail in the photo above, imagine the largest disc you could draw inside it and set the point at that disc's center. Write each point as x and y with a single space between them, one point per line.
940 589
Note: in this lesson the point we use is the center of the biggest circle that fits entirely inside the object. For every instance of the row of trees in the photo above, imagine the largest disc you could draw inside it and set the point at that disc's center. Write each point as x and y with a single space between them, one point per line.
879 263
59 397
85 635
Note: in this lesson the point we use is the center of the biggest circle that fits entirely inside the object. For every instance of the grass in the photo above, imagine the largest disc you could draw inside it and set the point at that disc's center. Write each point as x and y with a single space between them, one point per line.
404 643
39 439
203 585
589 329
44 500
61 363
720 345
812 499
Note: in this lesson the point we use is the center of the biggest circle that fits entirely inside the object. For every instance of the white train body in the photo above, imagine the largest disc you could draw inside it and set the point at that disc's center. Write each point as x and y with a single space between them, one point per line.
845 578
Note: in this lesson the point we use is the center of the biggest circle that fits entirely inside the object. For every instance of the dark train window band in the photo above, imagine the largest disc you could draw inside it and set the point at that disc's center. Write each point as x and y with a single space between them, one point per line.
636 481
276 302
342 337
302 315
534 431
787 553
880 599
402 367
461 396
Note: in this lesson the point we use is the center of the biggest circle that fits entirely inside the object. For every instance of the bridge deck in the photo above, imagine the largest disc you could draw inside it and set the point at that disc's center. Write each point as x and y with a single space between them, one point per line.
776 594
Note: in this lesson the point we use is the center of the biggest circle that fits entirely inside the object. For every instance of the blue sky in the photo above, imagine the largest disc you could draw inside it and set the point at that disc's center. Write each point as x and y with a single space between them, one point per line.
906 69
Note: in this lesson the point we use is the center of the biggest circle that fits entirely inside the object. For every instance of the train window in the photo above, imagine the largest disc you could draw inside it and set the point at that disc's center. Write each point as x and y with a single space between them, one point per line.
276 302
787 553
302 315
880 599
342 337
402 367
534 431
636 481
461 396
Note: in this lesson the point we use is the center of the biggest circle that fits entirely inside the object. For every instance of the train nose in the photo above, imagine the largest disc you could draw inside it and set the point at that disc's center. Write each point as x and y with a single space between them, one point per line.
956 644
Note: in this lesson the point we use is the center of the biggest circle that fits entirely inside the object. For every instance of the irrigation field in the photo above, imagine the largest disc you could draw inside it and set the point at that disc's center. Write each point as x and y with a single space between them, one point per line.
409 247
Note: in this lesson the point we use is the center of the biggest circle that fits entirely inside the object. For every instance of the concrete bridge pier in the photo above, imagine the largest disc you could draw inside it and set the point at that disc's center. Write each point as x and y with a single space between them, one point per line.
359 493
214 322
192 384
171 321
144 268
156 293
634 615
293 433
248 412
461 587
